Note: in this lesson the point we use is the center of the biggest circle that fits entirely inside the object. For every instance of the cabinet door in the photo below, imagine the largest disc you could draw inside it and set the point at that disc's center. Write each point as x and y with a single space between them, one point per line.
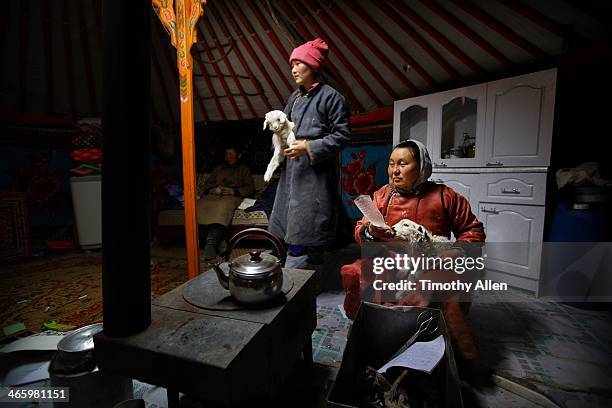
514 238
519 120
459 127
412 119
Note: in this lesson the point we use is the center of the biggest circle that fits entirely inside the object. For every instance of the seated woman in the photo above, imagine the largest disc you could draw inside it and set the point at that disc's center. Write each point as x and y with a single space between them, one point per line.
223 190
434 206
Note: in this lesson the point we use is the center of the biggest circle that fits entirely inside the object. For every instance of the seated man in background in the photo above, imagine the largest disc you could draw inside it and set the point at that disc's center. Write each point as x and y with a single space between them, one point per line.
223 192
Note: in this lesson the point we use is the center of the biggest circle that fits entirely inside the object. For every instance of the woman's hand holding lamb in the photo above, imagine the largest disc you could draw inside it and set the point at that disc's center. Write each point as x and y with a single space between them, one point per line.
297 149
381 233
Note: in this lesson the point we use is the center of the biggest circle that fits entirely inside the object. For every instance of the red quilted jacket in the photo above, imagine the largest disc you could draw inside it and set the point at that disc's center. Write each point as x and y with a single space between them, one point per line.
435 206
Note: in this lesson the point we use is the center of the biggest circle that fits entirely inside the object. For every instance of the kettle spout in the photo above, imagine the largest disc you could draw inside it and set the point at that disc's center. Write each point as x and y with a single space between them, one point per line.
222 271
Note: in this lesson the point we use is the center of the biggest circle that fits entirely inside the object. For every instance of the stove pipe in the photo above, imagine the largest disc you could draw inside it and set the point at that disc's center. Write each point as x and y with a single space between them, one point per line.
126 279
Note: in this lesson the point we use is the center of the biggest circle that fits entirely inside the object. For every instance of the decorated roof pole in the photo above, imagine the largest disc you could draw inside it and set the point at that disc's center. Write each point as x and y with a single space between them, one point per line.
181 26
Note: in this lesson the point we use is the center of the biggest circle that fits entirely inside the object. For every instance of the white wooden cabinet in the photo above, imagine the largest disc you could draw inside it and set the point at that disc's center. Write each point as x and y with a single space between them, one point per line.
458 114
514 238
527 188
511 207
519 120
510 122
413 119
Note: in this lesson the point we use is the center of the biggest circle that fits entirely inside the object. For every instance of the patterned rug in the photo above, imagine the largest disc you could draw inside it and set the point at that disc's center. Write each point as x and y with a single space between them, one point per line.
330 336
14 226
67 288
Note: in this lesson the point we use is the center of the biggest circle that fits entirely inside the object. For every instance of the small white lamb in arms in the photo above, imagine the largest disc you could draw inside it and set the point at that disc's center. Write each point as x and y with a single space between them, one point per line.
282 138
414 233
410 231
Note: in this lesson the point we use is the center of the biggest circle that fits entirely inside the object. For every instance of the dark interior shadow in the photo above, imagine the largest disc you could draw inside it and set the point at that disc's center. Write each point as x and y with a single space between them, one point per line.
334 260
496 326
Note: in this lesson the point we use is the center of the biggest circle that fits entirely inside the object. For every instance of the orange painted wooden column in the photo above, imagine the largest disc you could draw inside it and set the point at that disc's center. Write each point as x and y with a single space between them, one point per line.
181 26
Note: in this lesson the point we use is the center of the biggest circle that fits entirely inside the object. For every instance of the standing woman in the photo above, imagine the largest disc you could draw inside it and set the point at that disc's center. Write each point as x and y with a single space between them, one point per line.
305 203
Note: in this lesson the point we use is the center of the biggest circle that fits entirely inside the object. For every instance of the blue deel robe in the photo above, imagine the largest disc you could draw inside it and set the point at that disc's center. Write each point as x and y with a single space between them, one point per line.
304 210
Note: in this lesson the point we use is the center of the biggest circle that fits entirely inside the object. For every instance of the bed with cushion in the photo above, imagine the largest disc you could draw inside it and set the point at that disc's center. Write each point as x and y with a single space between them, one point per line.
171 221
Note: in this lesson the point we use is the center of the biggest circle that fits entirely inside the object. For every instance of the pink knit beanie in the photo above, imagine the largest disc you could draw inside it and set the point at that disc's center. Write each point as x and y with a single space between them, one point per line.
312 53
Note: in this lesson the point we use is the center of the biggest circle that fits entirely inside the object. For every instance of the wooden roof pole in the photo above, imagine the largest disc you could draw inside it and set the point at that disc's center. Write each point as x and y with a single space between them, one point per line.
182 29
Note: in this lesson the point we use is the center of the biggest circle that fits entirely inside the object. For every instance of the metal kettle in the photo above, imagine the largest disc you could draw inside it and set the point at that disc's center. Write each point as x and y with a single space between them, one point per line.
255 277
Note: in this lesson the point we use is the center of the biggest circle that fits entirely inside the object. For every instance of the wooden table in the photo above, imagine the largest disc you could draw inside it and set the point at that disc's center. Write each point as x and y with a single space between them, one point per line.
228 358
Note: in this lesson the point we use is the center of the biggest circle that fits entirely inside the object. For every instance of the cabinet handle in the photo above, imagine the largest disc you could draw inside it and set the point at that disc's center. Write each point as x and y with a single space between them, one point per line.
495 163
513 191
441 164
490 211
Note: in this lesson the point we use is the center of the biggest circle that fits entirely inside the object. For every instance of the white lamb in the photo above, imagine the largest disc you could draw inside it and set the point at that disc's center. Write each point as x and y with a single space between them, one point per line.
282 138
410 231
415 233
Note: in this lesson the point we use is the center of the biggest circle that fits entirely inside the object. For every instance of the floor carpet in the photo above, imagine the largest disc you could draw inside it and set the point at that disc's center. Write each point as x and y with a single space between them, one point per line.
67 288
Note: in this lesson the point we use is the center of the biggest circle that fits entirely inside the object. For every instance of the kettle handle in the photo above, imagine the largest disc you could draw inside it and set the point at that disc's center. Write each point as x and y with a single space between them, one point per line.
278 244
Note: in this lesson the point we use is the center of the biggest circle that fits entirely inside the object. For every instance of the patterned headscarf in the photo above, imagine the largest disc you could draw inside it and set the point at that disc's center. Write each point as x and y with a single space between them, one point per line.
424 164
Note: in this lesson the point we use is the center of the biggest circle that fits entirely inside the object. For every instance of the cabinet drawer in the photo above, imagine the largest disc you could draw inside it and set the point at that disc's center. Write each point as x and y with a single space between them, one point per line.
465 184
520 188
